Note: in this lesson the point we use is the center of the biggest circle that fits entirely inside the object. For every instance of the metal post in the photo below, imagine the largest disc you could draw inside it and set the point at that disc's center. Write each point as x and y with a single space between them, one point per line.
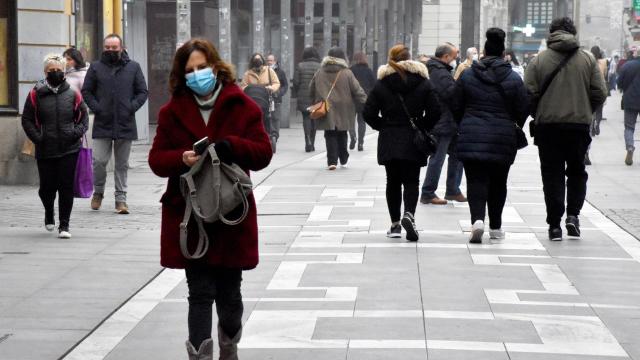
308 23
382 32
286 45
224 18
183 21
343 25
258 26
371 30
328 26
359 25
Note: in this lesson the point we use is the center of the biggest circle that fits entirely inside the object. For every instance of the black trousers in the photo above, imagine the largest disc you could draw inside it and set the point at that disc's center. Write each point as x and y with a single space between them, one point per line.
56 177
402 174
562 164
362 129
206 285
486 189
309 126
336 146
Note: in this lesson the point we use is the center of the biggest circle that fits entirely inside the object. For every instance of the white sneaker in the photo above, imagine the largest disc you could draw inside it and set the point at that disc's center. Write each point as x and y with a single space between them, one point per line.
344 166
477 230
497 234
64 235
50 227
332 167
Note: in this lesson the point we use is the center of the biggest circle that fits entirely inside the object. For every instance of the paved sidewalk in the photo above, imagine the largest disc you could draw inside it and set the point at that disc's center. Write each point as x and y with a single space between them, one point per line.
330 285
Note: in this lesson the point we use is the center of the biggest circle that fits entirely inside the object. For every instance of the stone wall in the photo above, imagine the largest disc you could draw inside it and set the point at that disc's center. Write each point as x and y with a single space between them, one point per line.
440 23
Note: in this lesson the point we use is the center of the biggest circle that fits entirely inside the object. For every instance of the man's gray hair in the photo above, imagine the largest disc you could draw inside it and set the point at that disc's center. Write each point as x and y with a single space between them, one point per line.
444 49
471 51
54 59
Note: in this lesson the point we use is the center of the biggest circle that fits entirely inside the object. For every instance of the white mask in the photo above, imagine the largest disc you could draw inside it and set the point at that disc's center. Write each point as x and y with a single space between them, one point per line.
453 63
475 57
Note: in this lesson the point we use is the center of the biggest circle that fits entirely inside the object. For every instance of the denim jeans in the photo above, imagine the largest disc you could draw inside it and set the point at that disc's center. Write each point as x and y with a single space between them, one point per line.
362 129
446 145
309 126
102 149
630 118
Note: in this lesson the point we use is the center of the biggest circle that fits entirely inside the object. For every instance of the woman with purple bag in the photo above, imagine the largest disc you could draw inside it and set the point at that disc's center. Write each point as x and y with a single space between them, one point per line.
55 118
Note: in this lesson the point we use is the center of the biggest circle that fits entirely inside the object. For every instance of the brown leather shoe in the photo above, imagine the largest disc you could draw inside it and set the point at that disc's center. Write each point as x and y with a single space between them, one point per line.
435 201
121 208
458 198
96 201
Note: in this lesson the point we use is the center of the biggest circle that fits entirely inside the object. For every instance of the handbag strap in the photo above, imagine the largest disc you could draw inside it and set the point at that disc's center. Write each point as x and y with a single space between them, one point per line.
334 84
406 111
547 82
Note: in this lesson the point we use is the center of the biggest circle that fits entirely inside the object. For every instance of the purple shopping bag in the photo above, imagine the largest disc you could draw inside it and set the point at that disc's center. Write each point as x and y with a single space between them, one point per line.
83 181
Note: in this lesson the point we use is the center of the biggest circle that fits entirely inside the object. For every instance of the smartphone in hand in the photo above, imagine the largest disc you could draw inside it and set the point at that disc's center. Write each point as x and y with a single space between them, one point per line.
201 146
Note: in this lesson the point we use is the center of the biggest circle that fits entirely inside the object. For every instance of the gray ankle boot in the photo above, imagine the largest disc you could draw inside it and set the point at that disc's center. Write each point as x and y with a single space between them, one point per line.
204 353
228 347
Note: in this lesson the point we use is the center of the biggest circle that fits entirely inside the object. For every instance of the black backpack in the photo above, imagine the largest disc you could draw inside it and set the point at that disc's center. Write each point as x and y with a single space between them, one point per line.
260 95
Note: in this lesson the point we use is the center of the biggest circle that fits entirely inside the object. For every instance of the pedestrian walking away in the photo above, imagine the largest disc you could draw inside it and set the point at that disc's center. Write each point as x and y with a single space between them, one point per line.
276 116
629 84
304 73
512 59
367 80
55 119
567 86
492 107
445 130
402 95
613 73
335 83
206 102
76 68
262 84
472 56
114 90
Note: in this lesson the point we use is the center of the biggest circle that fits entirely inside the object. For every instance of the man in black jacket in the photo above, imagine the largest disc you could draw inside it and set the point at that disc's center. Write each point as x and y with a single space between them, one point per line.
272 61
114 89
445 130
629 84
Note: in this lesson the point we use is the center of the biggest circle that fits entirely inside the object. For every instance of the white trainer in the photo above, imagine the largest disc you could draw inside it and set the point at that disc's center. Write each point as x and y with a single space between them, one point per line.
64 235
50 227
497 234
477 230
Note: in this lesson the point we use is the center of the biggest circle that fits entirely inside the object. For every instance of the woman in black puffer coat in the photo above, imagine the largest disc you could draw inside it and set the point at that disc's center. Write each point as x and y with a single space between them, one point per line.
406 79
487 142
55 119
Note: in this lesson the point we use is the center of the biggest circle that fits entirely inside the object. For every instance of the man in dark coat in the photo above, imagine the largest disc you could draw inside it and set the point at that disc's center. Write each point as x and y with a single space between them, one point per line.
367 80
272 61
629 84
114 89
302 78
446 129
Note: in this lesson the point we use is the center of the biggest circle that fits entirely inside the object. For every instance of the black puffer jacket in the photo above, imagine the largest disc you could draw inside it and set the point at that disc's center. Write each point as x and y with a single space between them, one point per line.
395 141
487 130
365 76
284 84
301 80
445 87
56 129
114 93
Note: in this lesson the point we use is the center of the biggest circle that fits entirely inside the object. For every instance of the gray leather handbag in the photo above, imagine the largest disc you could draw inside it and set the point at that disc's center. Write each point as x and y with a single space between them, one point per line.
211 190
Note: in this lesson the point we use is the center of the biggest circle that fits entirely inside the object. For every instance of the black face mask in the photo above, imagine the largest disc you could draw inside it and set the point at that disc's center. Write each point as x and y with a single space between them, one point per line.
55 78
110 56
256 63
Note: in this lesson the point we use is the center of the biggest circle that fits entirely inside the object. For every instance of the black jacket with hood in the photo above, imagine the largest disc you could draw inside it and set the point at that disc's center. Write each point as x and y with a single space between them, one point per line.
487 131
383 111
114 92
445 87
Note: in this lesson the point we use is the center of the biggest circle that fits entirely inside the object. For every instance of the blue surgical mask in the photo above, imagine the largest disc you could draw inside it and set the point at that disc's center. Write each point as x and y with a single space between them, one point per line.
202 82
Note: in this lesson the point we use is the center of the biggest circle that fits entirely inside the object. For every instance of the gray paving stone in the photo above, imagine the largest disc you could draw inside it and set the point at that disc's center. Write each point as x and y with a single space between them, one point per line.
466 355
369 329
482 330
386 354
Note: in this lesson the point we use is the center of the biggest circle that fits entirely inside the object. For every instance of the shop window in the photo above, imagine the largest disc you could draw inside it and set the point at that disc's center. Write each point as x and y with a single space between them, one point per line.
89 28
7 54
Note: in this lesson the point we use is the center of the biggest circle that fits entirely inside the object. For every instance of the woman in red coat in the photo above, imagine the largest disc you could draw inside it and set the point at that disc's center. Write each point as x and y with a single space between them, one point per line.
206 102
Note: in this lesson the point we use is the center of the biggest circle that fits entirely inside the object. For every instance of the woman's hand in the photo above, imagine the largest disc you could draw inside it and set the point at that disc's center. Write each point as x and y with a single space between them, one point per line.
190 158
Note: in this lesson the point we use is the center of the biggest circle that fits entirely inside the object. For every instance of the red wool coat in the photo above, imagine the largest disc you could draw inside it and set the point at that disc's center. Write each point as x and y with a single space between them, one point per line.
236 119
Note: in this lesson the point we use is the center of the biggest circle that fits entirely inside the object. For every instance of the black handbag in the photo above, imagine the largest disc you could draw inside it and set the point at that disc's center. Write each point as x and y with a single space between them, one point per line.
426 143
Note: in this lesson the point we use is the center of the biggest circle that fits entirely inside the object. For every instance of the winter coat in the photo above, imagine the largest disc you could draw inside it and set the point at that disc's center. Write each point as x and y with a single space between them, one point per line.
346 96
462 67
75 77
236 119
301 80
365 76
266 77
114 93
284 84
395 141
487 130
445 88
576 91
629 82
56 128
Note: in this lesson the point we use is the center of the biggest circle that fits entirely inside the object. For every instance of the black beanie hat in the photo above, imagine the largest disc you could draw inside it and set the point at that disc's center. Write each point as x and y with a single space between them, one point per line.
495 42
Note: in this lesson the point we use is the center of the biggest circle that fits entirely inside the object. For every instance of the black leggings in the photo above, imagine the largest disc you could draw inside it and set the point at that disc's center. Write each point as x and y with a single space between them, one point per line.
206 285
487 188
57 176
399 174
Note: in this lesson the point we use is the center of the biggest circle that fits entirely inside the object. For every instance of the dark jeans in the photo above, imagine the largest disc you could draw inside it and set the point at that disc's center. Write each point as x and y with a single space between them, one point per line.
56 176
562 157
309 126
487 188
362 129
206 285
434 169
336 146
630 118
402 174
275 121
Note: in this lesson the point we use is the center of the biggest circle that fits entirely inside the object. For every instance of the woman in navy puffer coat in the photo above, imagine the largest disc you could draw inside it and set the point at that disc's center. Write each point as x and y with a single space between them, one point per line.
487 142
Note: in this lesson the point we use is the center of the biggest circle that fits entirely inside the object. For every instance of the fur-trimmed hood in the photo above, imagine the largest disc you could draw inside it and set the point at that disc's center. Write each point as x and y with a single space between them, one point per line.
411 66
330 60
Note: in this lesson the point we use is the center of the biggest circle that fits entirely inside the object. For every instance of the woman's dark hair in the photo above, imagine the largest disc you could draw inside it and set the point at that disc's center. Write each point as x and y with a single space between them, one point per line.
76 55
177 82
564 24
514 58
494 46
597 52
310 53
360 58
337 52
257 55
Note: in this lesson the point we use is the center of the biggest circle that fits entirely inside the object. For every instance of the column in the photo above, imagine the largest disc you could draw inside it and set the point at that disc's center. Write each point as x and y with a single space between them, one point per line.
359 26
392 23
416 27
382 45
308 23
286 54
401 20
225 29
258 26
371 30
327 16
183 21
344 13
